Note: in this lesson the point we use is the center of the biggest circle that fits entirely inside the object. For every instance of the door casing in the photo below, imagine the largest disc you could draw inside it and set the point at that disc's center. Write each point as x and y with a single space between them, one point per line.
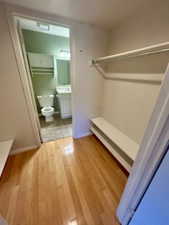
24 71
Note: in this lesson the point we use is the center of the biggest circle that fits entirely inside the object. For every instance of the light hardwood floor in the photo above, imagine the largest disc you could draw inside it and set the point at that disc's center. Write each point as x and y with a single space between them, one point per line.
66 182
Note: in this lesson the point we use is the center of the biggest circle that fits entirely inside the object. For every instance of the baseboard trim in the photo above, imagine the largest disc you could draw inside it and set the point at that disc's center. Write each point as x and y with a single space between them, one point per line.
25 149
83 135
33 147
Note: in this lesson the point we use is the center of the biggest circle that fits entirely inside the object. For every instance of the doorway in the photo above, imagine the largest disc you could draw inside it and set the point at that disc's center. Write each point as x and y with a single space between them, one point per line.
46 48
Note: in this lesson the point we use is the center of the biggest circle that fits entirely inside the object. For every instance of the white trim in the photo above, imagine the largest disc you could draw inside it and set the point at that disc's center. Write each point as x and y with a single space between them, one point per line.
55 69
83 135
152 149
24 78
24 149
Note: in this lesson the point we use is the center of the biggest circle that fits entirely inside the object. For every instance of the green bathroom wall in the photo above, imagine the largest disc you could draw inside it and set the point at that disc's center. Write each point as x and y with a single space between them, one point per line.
38 42
44 43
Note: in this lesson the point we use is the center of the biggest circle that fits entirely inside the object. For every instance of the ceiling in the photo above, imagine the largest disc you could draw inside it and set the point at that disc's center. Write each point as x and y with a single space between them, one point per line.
103 13
44 28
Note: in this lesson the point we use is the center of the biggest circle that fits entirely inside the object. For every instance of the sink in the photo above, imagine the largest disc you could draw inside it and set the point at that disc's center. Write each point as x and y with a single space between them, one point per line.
65 89
64 98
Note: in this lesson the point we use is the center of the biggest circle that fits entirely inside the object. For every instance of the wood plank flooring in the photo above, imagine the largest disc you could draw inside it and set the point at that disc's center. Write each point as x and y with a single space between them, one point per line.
65 182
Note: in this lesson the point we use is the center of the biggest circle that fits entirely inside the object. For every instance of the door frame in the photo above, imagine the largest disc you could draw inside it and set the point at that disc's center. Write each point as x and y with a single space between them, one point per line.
27 68
25 75
152 149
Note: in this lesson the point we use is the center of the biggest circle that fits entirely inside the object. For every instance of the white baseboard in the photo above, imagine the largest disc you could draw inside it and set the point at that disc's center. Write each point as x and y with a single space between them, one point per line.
29 148
25 149
83 135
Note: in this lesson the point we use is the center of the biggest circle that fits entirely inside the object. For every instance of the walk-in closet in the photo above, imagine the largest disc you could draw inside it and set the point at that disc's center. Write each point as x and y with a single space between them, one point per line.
84 116
132 82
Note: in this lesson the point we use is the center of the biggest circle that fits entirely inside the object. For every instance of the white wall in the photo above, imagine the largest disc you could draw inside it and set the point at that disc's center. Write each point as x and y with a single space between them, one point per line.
88 42
128 102
128 105
88 84
144 28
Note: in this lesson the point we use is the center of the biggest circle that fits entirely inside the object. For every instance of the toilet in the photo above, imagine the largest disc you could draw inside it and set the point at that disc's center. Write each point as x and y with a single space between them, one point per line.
46 102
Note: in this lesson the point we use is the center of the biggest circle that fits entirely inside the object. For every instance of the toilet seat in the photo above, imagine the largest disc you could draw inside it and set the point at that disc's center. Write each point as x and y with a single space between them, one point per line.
47 112
47 109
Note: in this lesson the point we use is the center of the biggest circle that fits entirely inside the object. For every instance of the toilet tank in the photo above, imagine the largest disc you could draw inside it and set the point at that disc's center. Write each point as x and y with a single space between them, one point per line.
46 100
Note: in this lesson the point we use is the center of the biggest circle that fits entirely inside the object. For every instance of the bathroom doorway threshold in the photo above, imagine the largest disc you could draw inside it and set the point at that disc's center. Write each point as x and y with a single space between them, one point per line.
56 129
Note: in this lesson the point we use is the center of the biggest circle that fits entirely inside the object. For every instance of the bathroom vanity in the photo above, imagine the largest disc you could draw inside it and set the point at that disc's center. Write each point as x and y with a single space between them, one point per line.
64 99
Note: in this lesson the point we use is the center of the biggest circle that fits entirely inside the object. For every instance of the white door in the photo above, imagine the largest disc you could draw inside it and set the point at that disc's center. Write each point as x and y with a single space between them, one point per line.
152 149
24 54
154 207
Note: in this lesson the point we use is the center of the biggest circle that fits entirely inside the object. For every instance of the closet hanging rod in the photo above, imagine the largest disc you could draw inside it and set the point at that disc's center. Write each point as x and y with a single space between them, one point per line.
150 50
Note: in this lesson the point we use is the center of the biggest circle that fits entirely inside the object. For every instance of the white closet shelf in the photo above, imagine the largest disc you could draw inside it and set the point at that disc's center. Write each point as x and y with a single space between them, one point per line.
126 144
5 147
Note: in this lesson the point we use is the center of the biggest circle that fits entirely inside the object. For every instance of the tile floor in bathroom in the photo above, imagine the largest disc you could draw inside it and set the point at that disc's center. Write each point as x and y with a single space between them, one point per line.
58 128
